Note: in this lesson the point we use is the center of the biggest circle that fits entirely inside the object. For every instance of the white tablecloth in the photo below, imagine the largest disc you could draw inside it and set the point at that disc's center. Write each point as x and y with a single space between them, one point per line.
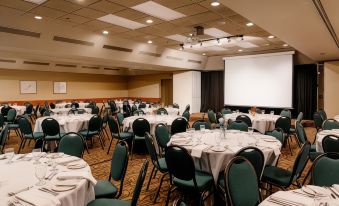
153 110
68 123
261 122
320 137
63 104
21 174
234 141
66 110
19 109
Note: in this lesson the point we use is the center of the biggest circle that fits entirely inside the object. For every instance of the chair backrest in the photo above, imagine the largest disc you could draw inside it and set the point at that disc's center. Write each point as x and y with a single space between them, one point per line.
318 120
329 124
120 118
278 134
178 125
240 170
25 126
119 162
142 105
162 135
3 137
300 161
113 125
226 111
323 114
134 107
211 117
29 108
187 115
5 109
72 144
187 108
2 120
75 104
95 110
330 143
300 117
285 113
47 113
95 123
140 126
245 119
238 125
283 123
139 183
162 110
11 115
151 150
256 158
50 127
196 124
325 170
175 105
300 132
138 112
52 105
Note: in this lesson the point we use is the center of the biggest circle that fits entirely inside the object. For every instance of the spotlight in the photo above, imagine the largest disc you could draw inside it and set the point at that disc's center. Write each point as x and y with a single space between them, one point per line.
149 21
271 37
249 24
149 41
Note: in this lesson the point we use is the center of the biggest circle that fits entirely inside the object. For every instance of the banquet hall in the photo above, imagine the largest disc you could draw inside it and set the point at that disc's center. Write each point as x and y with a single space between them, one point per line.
169 102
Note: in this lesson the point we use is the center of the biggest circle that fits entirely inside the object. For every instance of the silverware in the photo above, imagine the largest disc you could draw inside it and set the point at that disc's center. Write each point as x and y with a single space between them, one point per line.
43 189
23 156
51 176
23 202
333 194
22 190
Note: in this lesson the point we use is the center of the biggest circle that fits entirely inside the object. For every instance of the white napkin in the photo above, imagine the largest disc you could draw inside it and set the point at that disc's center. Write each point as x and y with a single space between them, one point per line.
197 150
66 160
293 198
316 190
77 175
38 198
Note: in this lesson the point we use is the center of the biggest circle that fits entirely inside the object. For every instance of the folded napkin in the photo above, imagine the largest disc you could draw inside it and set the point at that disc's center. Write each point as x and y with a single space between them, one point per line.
66 160
290 198
77 175
197 150
38 198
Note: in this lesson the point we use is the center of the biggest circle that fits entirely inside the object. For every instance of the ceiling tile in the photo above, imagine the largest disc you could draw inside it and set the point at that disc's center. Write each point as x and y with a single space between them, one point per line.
18 4
238 19
131 34
221 10
47 12
89 13
10 11
120 21
173 4
75 18
192 9
107 7
96 25
128 3
116 29
62 5
131 14
83 2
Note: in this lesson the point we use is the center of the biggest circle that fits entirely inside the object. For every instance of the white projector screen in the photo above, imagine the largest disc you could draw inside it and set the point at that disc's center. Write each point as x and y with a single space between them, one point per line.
263 80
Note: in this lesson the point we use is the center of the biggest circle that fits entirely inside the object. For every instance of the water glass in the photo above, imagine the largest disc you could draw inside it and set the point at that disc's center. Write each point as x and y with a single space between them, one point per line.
202 128
40 173
237 110
9 154
272 113
36 153
162 113
218 139
250 130
54 165
262 111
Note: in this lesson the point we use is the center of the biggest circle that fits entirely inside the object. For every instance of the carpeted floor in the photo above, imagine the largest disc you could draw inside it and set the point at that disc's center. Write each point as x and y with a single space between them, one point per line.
100 165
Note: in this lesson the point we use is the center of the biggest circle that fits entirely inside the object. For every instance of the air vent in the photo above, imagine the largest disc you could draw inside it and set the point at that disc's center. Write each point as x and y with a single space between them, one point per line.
7 60
66 65
174 58
117 48
194 61
90 67
112 69
73 41
150 54
19 32
36 63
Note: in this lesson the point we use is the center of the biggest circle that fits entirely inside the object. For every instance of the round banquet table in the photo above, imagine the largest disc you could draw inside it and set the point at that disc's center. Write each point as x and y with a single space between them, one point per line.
170 110
20 174
232 141
320 136
82 105
260 122
20 110
65 111
68 123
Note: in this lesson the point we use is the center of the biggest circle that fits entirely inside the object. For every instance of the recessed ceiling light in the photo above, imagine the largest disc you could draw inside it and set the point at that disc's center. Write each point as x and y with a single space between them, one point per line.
239 50
267 44
215 3
249 24
285 45
204 54
271 37
120 21
38 17
105 32
36 1
149 41
149 21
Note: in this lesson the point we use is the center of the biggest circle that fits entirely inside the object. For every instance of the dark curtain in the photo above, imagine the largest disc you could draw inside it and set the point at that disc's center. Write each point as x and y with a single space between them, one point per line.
212 91
305 90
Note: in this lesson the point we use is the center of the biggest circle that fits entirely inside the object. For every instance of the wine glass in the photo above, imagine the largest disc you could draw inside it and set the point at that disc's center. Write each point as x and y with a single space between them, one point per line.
272 113
262 111
218 139
250 130
36 154
162 113
54 165
9 154
40 173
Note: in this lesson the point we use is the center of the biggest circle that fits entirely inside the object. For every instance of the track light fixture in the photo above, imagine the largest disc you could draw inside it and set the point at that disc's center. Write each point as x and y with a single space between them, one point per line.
194 40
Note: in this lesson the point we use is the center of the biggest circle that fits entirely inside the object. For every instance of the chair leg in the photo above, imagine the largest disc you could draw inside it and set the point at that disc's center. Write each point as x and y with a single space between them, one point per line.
132 148
86 146
105 131
110 144
155 173
308 173
289 145
168 195
150 177
159 187
21 145
101 141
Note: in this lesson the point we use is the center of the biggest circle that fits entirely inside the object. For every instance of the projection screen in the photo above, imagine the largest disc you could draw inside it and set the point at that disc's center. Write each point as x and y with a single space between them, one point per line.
263 80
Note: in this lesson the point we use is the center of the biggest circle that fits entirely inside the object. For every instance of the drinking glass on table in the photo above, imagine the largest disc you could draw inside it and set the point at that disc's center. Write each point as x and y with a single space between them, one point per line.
202 128
40 173
218 139
250 130
262 111
54 165
272 113
36 153
9 154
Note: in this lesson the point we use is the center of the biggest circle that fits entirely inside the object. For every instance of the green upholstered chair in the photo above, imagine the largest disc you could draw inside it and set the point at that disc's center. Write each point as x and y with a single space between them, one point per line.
119 162
302 138
27 132
179 125
3 137
94 129
323 114
187 115
299 119
11 120
72 144
140 126
329 124
2 121
245 119
115 132
162 136
29 110
159 164
318 120
51 130
104 125
95 110
238 125
325 170
162 110
283 178
278 134
239 169
138 112
184 176
187 108
135 197
285 113
330 143
284 123
226 111
120 118
211 117
134 107
197 123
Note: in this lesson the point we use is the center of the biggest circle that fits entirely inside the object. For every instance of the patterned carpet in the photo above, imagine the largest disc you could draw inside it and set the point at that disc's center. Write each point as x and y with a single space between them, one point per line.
100 165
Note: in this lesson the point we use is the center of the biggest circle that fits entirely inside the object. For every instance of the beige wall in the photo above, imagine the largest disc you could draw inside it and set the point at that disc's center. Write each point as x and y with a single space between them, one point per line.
331 88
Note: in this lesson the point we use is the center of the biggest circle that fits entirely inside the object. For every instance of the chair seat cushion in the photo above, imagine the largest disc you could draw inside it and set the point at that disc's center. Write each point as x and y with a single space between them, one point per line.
50 138
124 135
203 181
136 137
105 189
13 126
36 135
87 133
162 164
108 202
276 175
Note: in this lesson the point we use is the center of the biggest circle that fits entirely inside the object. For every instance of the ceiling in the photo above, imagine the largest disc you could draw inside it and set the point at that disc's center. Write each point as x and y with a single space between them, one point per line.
84 14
